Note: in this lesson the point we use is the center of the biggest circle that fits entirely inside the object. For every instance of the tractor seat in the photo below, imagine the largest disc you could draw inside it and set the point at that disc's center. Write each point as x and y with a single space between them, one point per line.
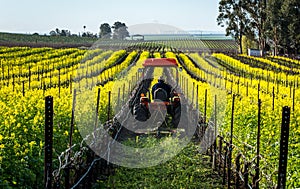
160 94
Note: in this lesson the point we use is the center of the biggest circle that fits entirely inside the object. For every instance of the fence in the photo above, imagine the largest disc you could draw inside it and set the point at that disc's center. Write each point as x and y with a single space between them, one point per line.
238 171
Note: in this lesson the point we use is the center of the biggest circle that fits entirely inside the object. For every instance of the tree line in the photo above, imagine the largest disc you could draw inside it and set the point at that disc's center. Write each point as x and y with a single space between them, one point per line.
119 31
271 24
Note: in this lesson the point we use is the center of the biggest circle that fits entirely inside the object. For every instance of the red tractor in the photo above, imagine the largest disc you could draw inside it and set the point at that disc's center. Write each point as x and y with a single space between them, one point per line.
162 103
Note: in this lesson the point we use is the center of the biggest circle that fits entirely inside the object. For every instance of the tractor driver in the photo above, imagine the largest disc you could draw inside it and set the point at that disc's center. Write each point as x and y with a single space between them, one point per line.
161 85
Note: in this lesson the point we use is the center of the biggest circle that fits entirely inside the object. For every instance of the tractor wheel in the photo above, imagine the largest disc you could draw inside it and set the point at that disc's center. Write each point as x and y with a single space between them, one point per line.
176 115
141 112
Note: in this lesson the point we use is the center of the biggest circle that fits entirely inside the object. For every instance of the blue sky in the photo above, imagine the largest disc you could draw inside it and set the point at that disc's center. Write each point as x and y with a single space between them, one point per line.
29 16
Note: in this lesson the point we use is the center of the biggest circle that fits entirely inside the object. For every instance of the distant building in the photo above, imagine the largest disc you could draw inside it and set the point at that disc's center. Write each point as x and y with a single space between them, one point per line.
138 37
255 52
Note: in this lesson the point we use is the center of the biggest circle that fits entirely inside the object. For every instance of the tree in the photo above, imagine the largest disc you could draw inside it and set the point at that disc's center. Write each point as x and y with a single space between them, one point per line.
290 10
256 10
283 26
105 31
274 24
57 31
89 34
269 22
248 43
120 31
65 33
233 14
52 33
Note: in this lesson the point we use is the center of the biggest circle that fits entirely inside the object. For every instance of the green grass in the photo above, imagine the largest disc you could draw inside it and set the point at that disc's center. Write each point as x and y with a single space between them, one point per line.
188 169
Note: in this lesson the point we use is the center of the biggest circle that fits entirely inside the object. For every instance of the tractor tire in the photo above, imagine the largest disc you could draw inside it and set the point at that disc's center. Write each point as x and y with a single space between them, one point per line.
176 115
141 112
